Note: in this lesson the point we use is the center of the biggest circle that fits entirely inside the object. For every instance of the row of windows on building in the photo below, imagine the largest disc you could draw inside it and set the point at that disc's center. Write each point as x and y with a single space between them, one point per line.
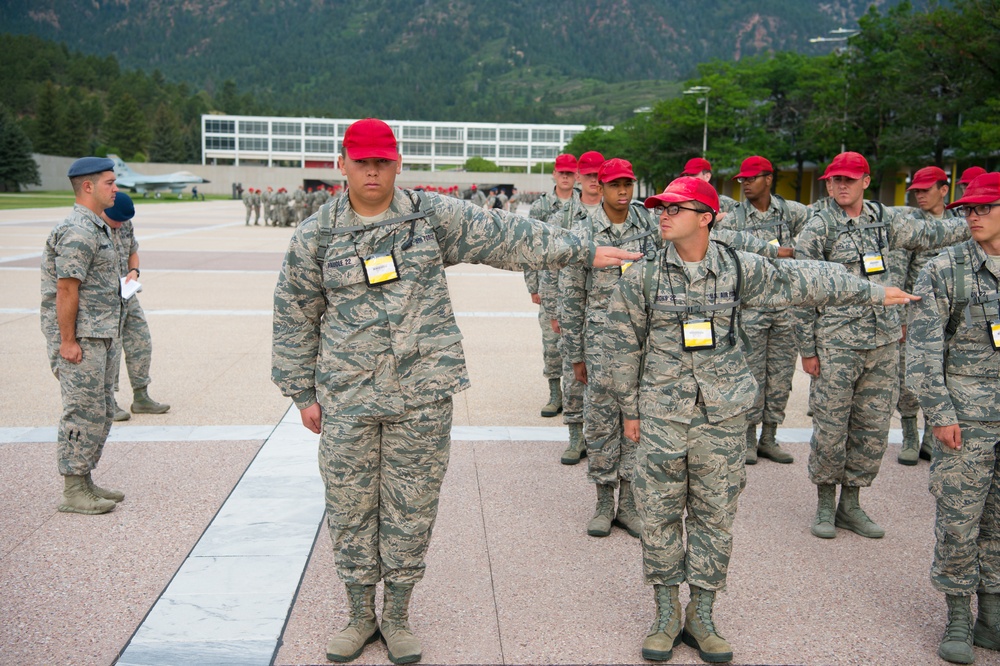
408 148
278 128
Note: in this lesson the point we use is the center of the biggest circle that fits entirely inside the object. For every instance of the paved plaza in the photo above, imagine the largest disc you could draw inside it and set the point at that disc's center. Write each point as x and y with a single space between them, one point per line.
219 553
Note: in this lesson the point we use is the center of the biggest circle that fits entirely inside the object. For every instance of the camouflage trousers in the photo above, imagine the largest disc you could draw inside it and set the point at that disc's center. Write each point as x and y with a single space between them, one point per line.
550 347
88 409
383 478
610 455
966 484
852 401
907 403
772 361
698 468
572 393
249 210
136 346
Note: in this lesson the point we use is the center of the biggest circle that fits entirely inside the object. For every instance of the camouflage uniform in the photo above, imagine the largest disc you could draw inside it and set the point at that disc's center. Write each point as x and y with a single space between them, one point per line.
248 202
83 247
383 362
267 198
770 331
693 405
256 207
136 342
853 398
726 204
281 208
565 214
957 380
299 205
583 301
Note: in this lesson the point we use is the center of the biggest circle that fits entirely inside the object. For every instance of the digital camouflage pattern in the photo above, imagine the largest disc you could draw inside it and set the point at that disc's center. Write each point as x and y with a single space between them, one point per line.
384 361
564 214
136 342
248 202
770 331
957 380
693 405
853 398
82 247
584 293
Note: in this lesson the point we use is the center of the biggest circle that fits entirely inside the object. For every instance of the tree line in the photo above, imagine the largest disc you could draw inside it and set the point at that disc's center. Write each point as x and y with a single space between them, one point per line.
911 88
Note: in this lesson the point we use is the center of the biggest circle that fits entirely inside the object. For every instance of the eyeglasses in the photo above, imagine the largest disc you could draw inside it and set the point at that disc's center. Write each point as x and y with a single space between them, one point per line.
978 209
674 209
750 179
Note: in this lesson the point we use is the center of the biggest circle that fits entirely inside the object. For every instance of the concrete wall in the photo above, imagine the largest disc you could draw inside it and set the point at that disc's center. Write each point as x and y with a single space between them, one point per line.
53 172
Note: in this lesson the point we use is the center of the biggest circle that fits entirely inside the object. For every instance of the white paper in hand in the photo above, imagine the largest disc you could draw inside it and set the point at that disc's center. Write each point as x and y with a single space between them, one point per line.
129 288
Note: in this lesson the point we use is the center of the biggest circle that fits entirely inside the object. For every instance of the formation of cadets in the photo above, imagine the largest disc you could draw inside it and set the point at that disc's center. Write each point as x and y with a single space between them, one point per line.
732 357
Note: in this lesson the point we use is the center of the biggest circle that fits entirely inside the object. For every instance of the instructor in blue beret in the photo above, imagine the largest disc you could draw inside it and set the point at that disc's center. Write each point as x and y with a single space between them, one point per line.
81 315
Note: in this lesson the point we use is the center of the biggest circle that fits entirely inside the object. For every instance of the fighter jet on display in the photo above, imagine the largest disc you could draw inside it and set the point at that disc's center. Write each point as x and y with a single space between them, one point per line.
143 184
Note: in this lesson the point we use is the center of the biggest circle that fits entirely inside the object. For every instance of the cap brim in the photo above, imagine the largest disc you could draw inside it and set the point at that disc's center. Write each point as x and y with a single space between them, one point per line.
667 197
847 173
376 153
976 199
921 185
747 174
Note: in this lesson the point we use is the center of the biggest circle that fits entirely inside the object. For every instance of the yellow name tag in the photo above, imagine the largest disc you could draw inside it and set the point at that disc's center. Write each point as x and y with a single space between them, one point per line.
774 241
698 334
995 333
624 266
380 269
874 264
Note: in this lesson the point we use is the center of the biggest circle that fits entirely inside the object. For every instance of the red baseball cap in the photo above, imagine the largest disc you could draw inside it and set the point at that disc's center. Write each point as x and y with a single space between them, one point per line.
590 162
613 169
566 162
686 188
696 165
754 166
983 189
370 138
851 165
971 174
927 178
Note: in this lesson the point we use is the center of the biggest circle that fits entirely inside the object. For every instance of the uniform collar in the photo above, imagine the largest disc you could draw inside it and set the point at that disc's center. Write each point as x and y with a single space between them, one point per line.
92 216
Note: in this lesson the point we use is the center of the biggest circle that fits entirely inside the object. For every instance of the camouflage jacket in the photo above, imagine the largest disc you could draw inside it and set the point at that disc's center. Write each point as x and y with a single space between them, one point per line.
371 350
674 381
83 247
726 204
125 243
564 214
584 291
956 378
830 235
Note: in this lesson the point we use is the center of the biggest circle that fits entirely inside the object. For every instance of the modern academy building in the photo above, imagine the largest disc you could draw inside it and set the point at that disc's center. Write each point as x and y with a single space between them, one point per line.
425 145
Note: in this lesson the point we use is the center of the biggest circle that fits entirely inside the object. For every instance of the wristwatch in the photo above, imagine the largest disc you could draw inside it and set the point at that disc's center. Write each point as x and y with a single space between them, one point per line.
136 271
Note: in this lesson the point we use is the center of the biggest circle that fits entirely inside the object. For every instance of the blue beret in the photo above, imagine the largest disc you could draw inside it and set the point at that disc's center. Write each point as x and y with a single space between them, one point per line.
88 165
123 210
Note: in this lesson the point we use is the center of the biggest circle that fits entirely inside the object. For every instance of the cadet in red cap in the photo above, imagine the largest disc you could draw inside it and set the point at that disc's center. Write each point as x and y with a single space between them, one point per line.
699 167
590 186
680 373
929 186
852 352
366 344
953 364
584 294
771 332
562 208
967 177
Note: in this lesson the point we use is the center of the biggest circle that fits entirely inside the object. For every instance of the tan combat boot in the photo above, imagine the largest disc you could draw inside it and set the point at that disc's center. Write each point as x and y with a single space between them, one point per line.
143 404
850 515
956 645
751 444
909 454
554 406
665 634
403 646
577 448
823 524
986 633
78 498
348 643
769 447
120 414
627 516
699 628
600 524
113 495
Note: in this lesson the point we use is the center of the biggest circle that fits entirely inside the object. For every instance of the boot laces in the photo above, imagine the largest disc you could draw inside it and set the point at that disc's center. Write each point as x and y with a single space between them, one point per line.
359 605
397 611
959 625
703 609
664 609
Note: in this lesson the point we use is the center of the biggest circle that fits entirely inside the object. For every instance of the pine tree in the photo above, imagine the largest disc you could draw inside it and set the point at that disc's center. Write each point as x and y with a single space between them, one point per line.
167 144
49 120
17 166
126 128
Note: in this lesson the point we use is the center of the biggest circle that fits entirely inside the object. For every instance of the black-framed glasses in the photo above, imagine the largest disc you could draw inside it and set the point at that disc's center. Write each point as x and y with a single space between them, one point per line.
978 209
674 209
750 179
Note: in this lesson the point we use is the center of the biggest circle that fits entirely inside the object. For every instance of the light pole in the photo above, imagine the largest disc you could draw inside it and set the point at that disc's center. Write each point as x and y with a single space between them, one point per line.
843 35
702 90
